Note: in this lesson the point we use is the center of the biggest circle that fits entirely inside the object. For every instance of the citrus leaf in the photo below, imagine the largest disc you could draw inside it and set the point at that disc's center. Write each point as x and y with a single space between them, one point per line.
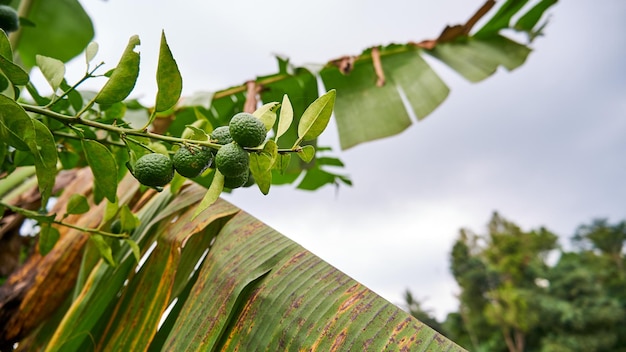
103 248
110 210
169 81
316 116
44 150
129 221
48 237
212 194
123 78
16 123
5 46
282 162
306 153
91 51
103 166
52 69
77 204
267 114
195 133
134 248
14 73
285 118
260 168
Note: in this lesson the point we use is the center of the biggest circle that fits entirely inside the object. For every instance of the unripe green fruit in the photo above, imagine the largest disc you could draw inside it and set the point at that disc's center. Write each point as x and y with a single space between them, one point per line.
191 162
236 181
247 130
232 160
154 170
221 135
9 21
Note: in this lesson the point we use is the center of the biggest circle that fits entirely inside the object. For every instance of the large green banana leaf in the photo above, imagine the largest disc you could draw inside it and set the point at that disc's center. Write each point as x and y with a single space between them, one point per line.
228 282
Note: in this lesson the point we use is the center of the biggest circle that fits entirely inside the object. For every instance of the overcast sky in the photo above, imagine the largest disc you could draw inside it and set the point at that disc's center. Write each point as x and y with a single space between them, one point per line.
543 145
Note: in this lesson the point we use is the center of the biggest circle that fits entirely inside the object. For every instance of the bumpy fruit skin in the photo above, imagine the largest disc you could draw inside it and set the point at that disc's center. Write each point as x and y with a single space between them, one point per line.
236 181
232 160
154 170
191 162
9 21
221 135
247 130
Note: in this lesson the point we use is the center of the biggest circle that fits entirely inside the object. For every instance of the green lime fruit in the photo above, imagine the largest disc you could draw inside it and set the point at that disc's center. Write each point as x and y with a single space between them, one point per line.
154 170
9 22
250 181
232 160
221 135
236 181
247 130
191 162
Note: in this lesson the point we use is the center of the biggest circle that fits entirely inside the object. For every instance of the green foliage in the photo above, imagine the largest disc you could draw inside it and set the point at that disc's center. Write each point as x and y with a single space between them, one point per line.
577 304
110 133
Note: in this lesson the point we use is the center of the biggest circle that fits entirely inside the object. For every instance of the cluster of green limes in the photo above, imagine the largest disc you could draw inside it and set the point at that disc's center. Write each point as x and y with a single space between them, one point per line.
232 160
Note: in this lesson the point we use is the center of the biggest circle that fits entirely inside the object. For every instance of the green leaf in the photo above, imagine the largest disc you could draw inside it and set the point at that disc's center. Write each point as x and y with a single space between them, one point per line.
103 166
16 124
282 162
260 168
44 150
13 72
364 111
285 119
194 133
423 88
110 210
134 248
316 178
316 116
258 290
530 19
5 46
261 165
91 51
103 248
212 194
77 204
48 237
306 153
52 37
169 80
267 114
52 69
477 59
124 76
129 221
501 19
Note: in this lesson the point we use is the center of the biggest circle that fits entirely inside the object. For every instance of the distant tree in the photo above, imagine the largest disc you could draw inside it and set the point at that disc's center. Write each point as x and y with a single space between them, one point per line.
512 300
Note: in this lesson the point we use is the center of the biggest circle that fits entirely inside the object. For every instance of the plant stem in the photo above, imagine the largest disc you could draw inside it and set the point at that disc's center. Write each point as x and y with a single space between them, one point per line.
71 120
84 229
85 77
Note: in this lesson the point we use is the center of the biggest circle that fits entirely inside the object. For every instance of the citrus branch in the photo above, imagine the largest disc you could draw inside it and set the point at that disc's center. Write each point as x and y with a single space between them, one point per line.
74 120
